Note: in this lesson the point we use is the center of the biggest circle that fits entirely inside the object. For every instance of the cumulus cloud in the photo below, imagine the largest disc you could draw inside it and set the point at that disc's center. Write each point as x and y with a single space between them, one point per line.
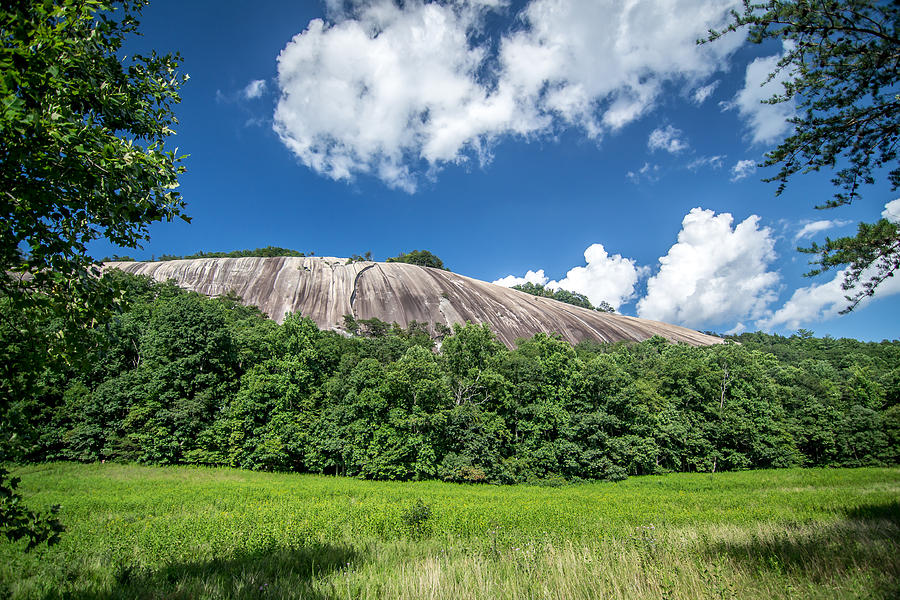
702 93
536 277
392 86
891 211
821 302
666 138
742 169
255 89
393 91
603 278
601 63
714 274
767 123
814 227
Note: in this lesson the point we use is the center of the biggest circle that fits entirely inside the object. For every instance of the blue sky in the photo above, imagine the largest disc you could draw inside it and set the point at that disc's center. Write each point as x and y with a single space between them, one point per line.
588 144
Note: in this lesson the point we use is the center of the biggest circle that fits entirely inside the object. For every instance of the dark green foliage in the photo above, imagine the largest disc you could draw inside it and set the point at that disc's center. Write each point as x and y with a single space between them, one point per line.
573 298
182 379
117 258
357 258
415 518
373 327
18 522
350 325
605 307
423 258
459 468
267 252
188 367
843 67
535 289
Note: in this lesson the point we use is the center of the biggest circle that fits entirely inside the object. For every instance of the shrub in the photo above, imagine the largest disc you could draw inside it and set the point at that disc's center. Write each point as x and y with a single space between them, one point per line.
415 518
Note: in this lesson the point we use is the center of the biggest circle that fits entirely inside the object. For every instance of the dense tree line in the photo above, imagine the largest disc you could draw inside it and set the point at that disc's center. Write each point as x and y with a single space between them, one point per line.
179 378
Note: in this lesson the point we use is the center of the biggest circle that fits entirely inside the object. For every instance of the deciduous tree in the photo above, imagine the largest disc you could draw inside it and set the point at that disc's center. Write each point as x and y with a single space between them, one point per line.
82 147
82 156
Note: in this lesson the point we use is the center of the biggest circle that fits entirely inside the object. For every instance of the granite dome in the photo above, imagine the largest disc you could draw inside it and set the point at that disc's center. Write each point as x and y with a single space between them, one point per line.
327 288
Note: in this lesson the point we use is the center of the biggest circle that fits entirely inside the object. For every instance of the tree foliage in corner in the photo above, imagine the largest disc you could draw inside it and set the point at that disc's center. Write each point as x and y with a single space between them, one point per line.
843 67
81 146
20 523
82 156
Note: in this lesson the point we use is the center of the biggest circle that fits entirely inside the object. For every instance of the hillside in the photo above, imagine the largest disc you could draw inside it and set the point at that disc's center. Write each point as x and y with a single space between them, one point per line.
327 288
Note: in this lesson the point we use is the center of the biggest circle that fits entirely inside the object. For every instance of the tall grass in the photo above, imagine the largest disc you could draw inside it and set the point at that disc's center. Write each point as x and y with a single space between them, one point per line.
178 532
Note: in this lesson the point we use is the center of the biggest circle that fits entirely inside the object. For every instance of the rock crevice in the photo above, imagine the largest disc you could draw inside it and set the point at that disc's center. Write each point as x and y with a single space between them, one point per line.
356 286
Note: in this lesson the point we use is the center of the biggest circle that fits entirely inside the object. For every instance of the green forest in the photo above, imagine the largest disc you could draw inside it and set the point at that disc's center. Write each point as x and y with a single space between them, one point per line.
178 378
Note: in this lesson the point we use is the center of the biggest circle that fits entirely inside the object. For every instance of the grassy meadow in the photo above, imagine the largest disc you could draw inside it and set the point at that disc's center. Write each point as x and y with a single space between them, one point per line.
188 532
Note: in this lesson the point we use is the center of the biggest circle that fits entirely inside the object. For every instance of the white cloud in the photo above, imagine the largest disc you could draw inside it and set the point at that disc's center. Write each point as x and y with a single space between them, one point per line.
383 91
536 277
647 172
821 302
714 274
767 122
255 89
394 91
742 169
666 138
714 162
818 302
891 211
811 229
603 278
600 64
702 93
737 329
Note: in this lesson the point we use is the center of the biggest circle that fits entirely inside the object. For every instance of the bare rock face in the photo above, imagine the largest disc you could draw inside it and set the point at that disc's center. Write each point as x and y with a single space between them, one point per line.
326 288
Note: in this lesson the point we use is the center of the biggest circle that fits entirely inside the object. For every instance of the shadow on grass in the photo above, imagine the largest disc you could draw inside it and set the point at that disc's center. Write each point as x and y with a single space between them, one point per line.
863 547
889 511
271 573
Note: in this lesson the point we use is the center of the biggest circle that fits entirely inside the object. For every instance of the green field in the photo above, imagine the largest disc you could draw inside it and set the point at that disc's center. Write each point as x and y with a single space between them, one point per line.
186 532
